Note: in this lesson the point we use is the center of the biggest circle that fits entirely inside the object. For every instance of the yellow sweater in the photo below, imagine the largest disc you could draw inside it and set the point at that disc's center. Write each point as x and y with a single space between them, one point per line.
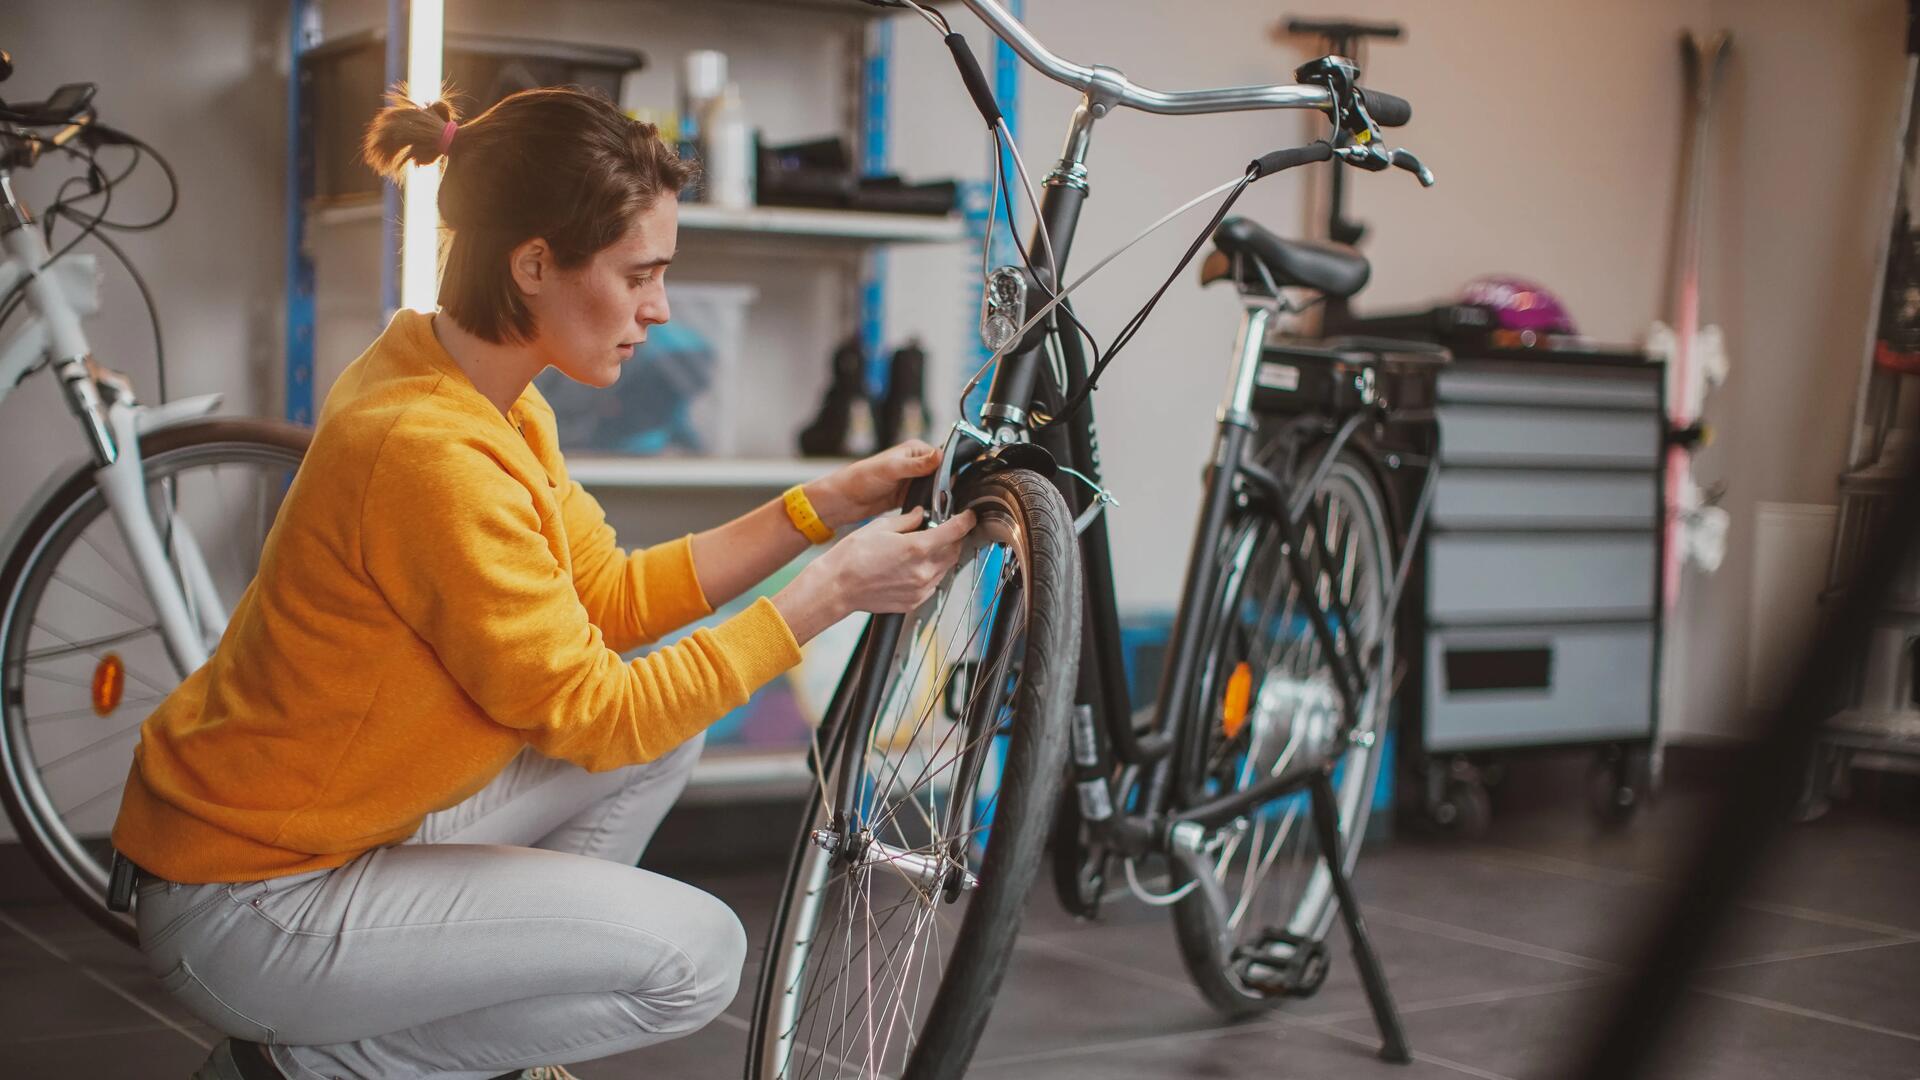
435 594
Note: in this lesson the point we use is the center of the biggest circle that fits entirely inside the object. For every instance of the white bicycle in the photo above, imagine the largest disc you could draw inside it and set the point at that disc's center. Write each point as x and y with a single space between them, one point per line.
117 578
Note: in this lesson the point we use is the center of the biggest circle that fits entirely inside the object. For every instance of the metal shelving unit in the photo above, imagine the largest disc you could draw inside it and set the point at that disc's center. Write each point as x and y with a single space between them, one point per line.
790 230
744 474
854 227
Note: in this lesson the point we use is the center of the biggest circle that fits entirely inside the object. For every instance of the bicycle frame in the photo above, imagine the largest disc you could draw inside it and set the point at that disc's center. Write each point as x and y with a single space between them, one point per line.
1233 481
58 296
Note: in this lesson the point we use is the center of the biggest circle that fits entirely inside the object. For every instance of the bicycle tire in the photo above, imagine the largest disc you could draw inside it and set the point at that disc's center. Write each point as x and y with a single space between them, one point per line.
1309 914
76 869
1029 781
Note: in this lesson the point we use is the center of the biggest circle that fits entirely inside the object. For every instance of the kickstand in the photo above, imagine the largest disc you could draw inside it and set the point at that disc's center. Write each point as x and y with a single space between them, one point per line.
1393 1046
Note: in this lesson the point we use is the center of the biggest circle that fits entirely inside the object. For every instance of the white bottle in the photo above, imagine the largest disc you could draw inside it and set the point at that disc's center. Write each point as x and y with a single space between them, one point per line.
729 164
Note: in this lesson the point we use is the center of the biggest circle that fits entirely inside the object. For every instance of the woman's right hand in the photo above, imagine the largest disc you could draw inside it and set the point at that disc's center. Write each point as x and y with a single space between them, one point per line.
888 565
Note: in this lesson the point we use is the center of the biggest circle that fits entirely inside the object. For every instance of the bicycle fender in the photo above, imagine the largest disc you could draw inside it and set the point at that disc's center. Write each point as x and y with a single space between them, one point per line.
154 417
1013 455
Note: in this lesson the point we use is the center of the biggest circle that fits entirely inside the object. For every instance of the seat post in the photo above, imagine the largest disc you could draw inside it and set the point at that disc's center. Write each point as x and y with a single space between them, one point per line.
1237 409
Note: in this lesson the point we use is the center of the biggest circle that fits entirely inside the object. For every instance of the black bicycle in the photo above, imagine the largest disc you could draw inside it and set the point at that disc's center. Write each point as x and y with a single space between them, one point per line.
943 765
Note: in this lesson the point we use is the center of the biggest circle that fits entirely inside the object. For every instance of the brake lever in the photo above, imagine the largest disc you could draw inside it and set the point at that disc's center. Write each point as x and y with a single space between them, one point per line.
1402 158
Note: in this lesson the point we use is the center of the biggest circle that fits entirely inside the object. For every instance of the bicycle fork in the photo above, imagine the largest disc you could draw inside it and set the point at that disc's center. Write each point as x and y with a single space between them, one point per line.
171 567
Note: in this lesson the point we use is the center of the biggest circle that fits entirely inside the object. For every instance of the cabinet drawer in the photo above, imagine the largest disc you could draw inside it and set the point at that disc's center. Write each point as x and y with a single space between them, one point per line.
1497 577
1511 435
1533 499
1531 686
1634 389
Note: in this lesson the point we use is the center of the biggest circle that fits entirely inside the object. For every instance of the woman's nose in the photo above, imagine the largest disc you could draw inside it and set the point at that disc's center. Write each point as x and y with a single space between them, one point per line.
654 310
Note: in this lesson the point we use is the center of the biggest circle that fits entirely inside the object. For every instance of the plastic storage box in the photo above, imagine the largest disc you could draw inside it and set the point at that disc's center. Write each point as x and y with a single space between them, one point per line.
345 81
675 396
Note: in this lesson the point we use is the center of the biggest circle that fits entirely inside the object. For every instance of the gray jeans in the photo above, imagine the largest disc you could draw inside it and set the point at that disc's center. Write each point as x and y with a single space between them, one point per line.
462 954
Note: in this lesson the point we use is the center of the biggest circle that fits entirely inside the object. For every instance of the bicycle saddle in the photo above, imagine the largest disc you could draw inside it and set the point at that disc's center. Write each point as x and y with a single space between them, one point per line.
1242 246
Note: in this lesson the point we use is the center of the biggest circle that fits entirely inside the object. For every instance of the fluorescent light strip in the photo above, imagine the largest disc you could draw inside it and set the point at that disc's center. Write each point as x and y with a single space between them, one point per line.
420 214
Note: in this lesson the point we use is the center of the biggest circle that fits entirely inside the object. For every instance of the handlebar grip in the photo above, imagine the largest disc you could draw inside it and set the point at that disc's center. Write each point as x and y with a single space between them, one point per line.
1386 110
976 80
1282 160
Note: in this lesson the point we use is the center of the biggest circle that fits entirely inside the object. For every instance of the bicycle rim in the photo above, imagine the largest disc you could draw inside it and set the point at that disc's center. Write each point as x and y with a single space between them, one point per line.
82 662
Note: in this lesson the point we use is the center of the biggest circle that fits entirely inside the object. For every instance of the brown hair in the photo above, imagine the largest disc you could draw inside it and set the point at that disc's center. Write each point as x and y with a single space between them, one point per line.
559 164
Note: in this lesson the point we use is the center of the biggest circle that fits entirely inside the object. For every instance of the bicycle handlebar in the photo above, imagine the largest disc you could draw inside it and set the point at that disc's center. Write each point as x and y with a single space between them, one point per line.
1110 86
1282 160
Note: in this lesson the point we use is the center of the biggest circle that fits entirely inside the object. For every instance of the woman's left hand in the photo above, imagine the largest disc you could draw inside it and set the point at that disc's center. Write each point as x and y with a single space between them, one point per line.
873 485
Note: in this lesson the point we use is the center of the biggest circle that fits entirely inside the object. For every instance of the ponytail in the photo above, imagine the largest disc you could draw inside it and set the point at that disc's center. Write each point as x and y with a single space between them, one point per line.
405 133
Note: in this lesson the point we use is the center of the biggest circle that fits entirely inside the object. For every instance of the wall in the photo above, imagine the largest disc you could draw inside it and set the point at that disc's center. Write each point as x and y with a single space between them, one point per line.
1555 131
1802 175
202 81
1553 127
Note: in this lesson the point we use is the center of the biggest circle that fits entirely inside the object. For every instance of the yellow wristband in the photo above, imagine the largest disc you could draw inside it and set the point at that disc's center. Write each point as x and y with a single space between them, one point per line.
800 511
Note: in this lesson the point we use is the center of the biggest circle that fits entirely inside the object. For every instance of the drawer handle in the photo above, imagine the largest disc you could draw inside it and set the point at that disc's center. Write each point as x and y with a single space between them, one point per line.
1521 668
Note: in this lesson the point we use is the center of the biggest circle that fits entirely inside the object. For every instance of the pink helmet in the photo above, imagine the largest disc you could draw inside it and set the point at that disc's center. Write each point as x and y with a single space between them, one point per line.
1519 305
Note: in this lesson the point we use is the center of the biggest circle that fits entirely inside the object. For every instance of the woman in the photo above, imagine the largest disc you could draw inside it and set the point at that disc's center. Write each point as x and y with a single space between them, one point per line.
390 829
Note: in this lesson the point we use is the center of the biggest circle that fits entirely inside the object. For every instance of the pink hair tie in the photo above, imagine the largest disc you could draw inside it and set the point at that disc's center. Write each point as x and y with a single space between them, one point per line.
446 137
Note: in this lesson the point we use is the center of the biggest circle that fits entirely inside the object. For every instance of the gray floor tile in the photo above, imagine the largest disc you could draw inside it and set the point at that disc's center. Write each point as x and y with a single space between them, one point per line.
1051 1000
1561 909
1479 938
127 1055
1879 986
54 921
1270 1054
1421 967
57 1000
1541 1036
1725 1040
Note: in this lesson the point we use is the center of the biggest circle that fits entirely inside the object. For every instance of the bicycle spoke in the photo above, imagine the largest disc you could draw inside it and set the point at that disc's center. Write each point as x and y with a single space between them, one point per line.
110 564
89 645
74 646
95 597
87 710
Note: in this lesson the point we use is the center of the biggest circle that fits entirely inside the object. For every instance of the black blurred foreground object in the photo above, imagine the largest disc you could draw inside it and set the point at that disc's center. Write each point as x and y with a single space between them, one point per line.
1762 789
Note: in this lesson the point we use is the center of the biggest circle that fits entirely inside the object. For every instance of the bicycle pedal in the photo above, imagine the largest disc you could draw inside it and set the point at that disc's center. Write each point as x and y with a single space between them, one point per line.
1284 965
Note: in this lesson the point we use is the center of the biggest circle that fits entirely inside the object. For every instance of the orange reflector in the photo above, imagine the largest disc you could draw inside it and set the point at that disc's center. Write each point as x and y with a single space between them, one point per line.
1233 711
109 683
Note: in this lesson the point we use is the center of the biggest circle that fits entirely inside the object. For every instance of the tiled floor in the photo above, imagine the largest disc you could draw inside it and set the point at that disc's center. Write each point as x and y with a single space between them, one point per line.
1502 952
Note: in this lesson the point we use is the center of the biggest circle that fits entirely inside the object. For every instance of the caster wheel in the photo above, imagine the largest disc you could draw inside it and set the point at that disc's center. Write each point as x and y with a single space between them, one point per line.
1617 786
1463 808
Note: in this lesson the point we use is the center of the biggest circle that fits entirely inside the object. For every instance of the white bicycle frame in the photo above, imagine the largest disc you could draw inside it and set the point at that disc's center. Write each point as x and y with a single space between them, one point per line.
172 569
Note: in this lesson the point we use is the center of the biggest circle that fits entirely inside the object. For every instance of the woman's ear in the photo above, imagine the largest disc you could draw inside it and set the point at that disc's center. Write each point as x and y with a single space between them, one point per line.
531 264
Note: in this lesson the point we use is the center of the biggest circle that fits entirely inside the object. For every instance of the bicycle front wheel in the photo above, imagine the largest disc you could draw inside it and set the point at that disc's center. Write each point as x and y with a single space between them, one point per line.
82 661
1268 706
897 920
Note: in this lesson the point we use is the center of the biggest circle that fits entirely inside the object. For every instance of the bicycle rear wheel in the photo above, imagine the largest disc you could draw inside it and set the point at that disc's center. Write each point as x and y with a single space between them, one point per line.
82 662
892 937
1267 705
